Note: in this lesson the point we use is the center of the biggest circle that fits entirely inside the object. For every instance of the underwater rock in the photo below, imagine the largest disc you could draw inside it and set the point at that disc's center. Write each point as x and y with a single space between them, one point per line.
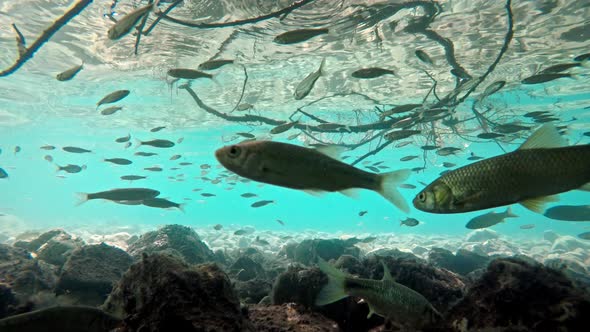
7 301
245 268
463 262
23 274
53 246
568 243
289 317
252 291
419 250
550 236
182 239
572 269
395 253
349 264
288 250
494 247
480 235
298 285
61 318
307 251
90 273
36 243
514 295
163 293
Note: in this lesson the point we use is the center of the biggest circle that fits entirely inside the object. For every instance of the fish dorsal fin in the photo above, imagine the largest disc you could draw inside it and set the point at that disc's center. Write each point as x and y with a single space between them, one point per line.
545 137
371 311
386 273
585 187
537 204
332 151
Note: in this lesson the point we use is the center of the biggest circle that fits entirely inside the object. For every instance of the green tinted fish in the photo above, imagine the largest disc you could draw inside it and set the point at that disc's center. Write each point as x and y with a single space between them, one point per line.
448 164
157 129
510 128
47 147
240 232
69 74
123 139
244 107
72 169
3 174
305 86
133 177
145 154
397 135
127 22
569 212
208 195
261 203
248 195
260 241
246 135
189 74
111 110
527 226
489 135
385 297
408 158
119 161
157 143
362 213
297 36
214 64
541 168
124 194
161 203
397 110
424 57
542 78
113 97
560 67
283 127
490 219
584 236
446 151
368 73
410 222
218 227
536 114
307 169
153 169
429 147
73 149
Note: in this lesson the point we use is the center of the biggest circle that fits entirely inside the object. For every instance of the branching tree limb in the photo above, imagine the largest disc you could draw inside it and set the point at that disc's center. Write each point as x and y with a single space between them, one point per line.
45 36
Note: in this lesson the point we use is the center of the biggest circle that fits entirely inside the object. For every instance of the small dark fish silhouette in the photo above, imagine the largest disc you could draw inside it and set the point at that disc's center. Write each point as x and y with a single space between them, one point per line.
153 169
297 36
362 213
73 149
189 74
157 129
161 203
261 203
207 195
248 195
408 158
69 74
489 135
214 64
113 97
47 147
542 78
119 161
133 177
424 57
145 154
157 143
374 72
123 139
218 227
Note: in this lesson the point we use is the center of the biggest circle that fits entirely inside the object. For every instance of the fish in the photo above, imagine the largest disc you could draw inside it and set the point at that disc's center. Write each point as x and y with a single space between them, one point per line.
418 169
123 194
261 241
489 135
127 22
569 212
397 135
429 147
127 145
527 226
70 168
69 74
175 157
48 158
333 126
560 67
111 110
246 135
424 57
446 151
214 64
47 147
3 174
240 232
145 154
17 149
283 127
537 114
73 149
205 166
133 177
448 164
180 140
157 129
584 236
474 157
244 107
410 222
185 163
510 128
119 161
385 297
543 166
157 143
293 136
373 72
397 110
208 195
161 203
218 227
298 36
248 195
582 57
402 144
310 169
261 203
489 219
362 213
542 78
305 86
282 223
113 97
153 169
491 89
123 139
586 134
189 74
408 158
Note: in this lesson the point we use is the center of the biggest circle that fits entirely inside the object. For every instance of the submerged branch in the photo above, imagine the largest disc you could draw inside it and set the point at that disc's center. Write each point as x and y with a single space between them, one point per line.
45 36
157 20
283 12
243 89
140 28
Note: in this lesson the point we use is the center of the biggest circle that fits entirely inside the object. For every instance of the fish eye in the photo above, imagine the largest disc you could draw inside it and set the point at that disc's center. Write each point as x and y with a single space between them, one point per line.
422 197
234 151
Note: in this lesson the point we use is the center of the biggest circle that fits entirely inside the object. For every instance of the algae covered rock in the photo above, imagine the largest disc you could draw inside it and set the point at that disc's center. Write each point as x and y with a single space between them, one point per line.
163 293
463 262
289 317
91 272
175 239
307 251
53 246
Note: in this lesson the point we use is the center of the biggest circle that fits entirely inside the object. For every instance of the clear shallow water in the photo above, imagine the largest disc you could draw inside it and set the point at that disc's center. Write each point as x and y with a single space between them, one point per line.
36 109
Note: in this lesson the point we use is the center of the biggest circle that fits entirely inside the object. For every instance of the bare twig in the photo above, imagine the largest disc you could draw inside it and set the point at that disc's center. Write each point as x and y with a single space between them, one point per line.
243 88
140 28
45 36
160 16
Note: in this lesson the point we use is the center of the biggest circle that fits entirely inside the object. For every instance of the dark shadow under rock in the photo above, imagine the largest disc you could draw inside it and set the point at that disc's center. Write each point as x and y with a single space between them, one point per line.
307 251
463 262
252 291
181 239
163 293
516 295
90 273
289 317
245 268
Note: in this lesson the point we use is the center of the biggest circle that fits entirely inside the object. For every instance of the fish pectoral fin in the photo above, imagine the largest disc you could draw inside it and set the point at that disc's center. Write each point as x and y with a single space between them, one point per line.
371 311
585 187
545 137
352 193
332 151
334 290
537 204
386 273
314 192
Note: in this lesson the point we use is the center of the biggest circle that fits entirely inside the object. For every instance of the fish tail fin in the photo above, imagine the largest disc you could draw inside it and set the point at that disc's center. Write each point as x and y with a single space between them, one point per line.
510 214
585 63
57 168
82 198
388 188
181 207
334 290
138 143
322 72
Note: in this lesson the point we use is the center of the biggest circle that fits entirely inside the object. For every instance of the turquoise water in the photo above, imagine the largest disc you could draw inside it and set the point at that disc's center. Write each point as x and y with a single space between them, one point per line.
37 110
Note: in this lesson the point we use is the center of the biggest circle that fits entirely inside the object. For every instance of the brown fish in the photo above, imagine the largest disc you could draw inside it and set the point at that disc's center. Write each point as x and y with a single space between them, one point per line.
313 170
